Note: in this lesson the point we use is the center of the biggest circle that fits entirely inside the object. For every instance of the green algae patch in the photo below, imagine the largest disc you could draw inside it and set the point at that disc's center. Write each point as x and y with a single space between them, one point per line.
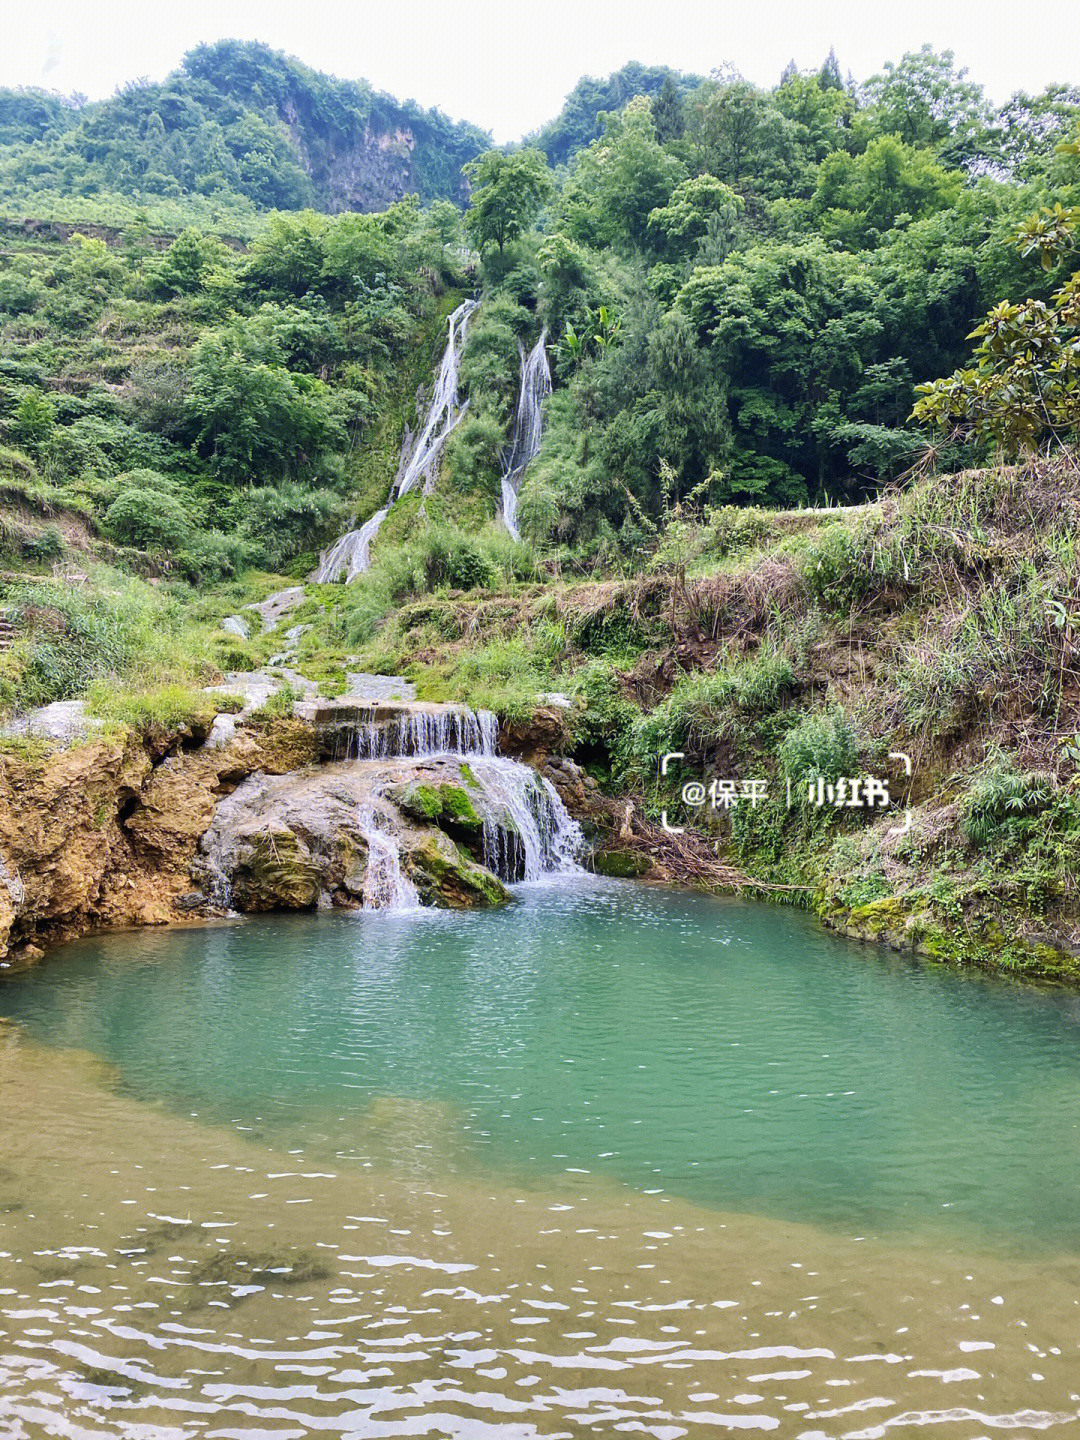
444 875
447 805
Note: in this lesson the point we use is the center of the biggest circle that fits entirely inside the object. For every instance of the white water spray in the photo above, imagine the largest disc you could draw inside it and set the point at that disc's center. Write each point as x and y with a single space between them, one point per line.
351 554
527 830
528 427
417 733
385 887
445 410
545 840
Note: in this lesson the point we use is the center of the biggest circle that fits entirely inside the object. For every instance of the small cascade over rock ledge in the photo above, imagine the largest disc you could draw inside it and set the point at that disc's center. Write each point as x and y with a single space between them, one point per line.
411 807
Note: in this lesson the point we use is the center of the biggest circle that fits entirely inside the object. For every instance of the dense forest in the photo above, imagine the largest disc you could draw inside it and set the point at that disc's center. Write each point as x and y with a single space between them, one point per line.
741 290
239 130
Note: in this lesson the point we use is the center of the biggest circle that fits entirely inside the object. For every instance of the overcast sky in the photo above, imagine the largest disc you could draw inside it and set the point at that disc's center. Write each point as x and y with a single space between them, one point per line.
507 66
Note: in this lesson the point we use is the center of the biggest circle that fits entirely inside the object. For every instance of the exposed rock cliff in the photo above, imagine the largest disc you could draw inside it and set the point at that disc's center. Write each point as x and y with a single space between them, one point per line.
117 829
292 842
103 832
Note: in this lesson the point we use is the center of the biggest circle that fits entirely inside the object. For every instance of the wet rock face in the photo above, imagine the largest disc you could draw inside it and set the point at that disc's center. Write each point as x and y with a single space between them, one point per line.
297 841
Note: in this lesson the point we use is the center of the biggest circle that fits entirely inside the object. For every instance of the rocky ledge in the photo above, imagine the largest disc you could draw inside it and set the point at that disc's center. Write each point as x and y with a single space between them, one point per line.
344 834
109 828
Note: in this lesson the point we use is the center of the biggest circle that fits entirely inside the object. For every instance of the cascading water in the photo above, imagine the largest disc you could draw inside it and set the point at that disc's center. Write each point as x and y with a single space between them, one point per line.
444 412
527 831
528 427
385 887
420 733
351 555
545 840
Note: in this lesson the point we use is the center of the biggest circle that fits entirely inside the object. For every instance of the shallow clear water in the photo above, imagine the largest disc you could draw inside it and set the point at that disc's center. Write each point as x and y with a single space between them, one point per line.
613 1158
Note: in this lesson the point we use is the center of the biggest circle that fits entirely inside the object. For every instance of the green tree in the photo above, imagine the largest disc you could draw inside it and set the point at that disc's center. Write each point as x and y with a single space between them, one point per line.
858 197
1023 386
186 265
251 415
828 77
926 101
728 119
620 180
668 112
683 222
148 518
507 194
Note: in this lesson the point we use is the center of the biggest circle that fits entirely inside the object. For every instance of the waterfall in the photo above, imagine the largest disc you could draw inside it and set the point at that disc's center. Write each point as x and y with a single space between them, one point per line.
385 887
527 833
418 733
444 412
547 841
528 427
351 555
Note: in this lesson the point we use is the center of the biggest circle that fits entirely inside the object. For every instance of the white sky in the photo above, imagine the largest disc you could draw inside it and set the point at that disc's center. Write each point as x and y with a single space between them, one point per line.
507 66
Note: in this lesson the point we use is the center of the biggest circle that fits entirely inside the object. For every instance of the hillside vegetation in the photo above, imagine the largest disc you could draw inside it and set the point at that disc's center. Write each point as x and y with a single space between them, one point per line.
782 519
238 130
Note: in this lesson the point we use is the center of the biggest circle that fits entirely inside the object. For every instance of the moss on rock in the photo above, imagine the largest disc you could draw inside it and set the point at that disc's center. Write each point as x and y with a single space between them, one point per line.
444 875
622 864
448 805
276 873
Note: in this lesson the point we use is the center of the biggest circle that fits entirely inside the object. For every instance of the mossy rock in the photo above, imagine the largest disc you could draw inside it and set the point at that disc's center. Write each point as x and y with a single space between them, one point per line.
447 805
275 873
911 923
622 864
445 876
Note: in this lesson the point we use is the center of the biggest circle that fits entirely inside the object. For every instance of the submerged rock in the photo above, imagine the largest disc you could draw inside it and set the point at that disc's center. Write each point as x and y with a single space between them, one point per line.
622 864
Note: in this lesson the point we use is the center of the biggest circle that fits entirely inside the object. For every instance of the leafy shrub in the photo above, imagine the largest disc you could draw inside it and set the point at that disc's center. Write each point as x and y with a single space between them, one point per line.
472 454
1000 796
847 563
733 529
19 295
150 519
210 556
824 744
282 520
49 544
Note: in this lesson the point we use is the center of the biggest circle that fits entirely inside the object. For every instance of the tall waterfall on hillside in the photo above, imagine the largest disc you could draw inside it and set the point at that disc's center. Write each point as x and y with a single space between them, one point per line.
351 555
445 410
528 427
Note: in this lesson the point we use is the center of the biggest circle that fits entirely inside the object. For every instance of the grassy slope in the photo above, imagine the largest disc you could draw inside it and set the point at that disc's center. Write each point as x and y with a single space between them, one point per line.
939 622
